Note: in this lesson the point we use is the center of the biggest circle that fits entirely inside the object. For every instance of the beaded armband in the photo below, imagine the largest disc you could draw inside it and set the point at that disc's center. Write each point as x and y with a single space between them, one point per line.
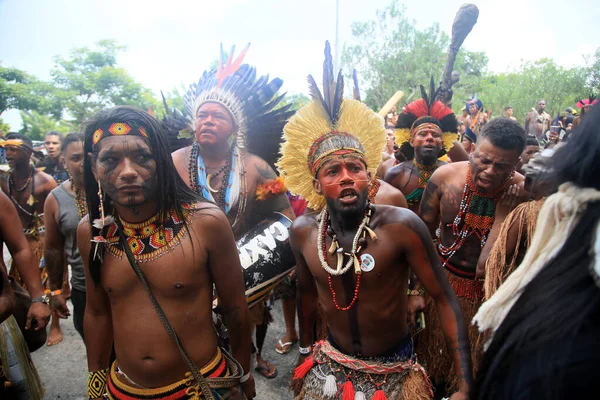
97 383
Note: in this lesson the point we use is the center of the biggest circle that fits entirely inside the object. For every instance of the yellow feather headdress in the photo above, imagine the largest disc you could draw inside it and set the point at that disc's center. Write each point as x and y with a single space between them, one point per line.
327 115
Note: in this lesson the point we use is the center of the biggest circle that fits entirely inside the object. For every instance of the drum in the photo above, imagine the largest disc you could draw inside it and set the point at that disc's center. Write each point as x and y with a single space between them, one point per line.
266 256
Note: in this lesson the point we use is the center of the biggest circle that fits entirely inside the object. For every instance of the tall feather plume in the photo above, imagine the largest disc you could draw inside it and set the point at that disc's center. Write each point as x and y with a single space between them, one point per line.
338 97
432 94
328 82
424 95
313 90
356 91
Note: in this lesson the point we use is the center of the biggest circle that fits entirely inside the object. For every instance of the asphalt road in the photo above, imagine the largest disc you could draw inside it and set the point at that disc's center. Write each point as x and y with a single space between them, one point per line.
63 367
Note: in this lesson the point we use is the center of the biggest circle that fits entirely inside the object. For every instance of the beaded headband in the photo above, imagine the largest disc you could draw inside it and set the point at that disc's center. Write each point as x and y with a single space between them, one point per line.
425 127
316 162
118 129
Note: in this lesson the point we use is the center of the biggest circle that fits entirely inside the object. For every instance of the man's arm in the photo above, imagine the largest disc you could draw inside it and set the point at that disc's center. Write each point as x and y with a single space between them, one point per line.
457 153
429 209
526 126
424 262
306 297
54 254
97 320
274 203
23 261
224 266
7 298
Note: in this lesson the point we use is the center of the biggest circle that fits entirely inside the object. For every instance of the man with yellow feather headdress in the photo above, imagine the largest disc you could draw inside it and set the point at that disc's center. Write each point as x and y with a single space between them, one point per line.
354 258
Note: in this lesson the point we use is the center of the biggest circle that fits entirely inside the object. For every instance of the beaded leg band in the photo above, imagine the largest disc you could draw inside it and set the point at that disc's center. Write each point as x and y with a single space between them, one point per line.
97 383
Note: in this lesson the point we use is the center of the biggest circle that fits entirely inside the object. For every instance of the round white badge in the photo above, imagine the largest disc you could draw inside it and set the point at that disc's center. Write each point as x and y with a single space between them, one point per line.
367 262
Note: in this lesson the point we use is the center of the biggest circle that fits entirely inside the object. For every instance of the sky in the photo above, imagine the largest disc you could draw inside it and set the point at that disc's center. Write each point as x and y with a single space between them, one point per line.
172 42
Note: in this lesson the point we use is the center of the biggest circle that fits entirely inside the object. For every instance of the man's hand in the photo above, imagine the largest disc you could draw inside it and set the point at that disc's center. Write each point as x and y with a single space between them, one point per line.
508 202
415 305
249 388
40 313
59 304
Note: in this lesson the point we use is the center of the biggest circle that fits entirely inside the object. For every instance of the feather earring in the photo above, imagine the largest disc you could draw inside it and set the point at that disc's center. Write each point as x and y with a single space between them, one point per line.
100 223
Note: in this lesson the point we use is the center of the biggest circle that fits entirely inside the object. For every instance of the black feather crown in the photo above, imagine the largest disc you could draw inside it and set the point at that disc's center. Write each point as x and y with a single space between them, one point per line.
250 100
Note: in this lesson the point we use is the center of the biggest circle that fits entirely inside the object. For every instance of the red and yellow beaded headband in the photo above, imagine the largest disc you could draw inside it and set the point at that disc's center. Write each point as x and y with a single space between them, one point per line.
118 129
316 162
427 126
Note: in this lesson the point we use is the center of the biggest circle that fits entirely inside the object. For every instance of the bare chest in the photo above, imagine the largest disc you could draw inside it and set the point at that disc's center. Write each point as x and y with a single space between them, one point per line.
179 273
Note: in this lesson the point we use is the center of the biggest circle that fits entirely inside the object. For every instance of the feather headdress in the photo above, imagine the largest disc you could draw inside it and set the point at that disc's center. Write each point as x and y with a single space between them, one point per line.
586 102
329 124
251 101
426 110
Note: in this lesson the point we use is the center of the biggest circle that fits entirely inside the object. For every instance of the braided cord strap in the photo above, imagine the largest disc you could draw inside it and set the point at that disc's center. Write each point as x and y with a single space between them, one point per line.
97 383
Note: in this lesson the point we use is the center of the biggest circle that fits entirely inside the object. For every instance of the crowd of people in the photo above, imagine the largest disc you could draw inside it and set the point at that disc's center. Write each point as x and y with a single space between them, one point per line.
426 255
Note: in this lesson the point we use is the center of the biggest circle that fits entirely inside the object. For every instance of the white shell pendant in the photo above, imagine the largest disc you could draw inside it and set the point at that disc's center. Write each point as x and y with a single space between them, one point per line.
367 262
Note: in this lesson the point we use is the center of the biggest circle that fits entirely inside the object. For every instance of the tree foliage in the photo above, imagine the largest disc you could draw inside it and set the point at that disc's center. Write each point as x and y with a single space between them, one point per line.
391 54
90 80
22 91
36 125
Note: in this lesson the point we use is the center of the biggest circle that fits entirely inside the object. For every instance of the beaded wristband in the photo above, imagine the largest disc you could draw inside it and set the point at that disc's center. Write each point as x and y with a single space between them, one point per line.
415 292
97 383
304 350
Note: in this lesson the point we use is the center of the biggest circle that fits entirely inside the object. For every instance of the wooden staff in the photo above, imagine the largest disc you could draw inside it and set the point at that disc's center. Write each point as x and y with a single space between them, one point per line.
465 19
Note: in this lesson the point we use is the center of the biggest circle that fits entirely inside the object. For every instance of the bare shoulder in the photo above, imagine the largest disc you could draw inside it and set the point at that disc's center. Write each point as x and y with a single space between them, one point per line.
259 168
450 170
181 154
390 195
304 222
397 170
181 160
84 229
400 219
208 217
43 178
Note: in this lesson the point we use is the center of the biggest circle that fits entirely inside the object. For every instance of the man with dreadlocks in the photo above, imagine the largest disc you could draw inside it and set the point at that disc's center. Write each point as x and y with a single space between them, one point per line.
426 128
153 251
458 207
331 149
238 133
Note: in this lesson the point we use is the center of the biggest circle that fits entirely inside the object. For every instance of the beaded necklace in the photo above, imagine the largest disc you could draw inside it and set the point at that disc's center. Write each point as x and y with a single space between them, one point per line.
12 182
196 166
79 200
150 239
425 172
476 214
359 243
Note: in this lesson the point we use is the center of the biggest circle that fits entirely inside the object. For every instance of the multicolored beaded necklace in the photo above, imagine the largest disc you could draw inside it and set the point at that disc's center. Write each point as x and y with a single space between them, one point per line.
150 239
425 172
476 214
359 243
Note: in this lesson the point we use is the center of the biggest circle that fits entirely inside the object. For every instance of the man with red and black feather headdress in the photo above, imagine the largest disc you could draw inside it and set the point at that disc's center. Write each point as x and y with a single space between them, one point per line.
425 129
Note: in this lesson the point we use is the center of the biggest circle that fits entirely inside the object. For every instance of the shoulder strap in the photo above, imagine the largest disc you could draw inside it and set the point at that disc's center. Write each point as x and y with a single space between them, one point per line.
206 390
